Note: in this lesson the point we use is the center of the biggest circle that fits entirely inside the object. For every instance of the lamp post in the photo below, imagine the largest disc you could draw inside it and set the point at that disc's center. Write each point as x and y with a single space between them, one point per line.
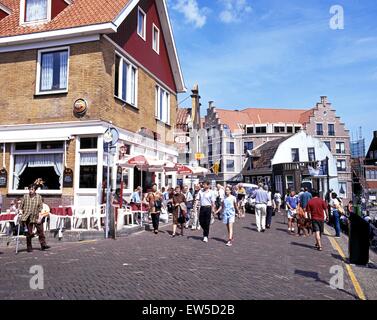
110 137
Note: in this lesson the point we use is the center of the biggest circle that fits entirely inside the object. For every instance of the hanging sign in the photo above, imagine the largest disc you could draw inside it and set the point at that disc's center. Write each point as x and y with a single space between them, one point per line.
68 178
3 178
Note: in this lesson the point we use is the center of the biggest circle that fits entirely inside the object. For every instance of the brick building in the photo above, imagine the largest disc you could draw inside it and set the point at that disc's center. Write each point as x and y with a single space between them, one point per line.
68 71
370 170
234 134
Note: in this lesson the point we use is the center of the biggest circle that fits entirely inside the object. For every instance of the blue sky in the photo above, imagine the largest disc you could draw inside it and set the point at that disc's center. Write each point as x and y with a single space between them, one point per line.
273 53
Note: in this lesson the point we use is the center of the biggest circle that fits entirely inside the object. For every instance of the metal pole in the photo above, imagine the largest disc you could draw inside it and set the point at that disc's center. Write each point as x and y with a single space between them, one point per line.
107 193
328 174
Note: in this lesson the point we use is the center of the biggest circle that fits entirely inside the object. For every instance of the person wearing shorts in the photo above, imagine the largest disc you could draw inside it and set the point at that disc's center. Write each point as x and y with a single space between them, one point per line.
317 212
291 203
229 206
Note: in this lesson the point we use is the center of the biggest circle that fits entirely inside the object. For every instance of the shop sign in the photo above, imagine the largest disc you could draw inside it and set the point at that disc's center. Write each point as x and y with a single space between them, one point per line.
68 178
182 139
3 178
199 156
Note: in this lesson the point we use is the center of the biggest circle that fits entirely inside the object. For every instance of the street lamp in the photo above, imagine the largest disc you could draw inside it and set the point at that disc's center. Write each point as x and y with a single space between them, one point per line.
110 138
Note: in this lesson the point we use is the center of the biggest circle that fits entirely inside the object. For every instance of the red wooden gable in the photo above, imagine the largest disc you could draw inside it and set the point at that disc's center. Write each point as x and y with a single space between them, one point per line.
141 50
57 7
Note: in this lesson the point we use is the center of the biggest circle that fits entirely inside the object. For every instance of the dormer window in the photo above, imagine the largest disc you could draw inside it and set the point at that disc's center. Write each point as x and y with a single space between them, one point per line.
35 11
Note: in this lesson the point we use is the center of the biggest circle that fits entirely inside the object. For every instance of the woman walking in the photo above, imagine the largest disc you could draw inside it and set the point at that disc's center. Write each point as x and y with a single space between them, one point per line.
241 194
189 205
277 201
194 215
154 199
335 205
229 208
269 208
179 213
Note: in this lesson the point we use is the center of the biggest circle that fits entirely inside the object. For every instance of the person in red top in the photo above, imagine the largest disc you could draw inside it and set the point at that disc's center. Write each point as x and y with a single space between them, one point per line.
317 212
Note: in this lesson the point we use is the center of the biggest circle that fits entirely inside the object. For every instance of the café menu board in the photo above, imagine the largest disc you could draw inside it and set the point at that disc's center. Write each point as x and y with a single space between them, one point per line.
68 178
3 178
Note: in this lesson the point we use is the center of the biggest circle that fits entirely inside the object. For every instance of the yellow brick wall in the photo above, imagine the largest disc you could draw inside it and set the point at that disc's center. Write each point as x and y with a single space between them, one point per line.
91 76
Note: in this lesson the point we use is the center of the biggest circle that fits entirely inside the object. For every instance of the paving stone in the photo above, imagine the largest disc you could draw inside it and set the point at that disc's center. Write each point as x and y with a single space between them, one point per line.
270 265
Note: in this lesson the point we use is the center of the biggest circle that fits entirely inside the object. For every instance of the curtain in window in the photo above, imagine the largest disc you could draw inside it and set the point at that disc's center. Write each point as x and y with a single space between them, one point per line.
43 160
36 10
162 102
133 86
124 81
20 164
63 69
47 71
88 159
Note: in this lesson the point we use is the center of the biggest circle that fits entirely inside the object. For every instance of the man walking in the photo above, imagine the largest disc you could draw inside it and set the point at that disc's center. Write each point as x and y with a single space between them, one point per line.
31 206
317 212
261 199
304 199
207 201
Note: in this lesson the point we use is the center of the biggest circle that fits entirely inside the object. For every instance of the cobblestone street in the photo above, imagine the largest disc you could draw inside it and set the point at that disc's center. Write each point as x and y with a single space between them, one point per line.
271 265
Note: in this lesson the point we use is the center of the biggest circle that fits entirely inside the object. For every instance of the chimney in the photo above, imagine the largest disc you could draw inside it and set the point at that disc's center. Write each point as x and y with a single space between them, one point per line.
324 100
211 104
195 107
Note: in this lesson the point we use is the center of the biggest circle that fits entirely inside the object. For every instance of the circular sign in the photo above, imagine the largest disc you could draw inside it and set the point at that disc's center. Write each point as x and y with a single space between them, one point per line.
80 107
111 136
182 139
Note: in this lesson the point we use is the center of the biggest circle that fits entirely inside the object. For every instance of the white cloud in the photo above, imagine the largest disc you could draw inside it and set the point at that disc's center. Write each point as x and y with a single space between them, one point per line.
234 10
193 14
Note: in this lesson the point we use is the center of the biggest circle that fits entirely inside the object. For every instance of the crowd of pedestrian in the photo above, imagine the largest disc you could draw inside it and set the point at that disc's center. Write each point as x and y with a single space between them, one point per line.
197 208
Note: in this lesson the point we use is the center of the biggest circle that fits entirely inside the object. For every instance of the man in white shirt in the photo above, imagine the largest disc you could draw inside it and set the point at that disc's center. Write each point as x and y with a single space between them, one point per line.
207 201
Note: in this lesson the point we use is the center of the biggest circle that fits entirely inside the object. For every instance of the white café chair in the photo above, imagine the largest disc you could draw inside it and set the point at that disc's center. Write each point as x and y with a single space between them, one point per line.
98 213
124 214
80 214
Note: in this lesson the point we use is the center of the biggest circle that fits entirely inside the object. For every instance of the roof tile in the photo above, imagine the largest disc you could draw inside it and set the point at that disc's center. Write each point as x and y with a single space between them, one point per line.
79 13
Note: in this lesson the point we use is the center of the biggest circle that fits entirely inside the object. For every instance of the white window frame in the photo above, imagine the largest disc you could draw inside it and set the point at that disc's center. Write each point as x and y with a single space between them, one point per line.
128 86
38 76
38 150
142 36
79 151
158 115
157 50
341 161
23 14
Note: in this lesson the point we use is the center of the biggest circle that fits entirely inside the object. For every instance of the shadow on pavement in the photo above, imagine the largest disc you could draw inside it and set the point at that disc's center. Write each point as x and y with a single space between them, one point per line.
338 257
303 245
195 238
250 228
314 275
219 240
282 230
